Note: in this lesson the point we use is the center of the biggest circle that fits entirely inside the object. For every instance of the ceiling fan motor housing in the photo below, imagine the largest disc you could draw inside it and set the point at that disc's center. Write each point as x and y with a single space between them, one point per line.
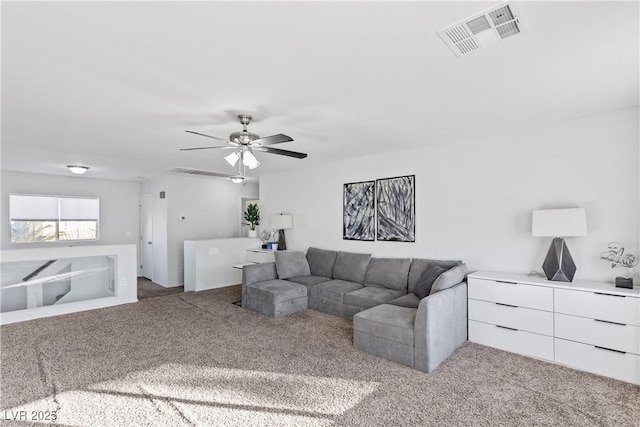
243 137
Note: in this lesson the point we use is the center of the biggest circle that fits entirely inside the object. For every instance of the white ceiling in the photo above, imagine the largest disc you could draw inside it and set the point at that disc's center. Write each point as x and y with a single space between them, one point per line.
114 85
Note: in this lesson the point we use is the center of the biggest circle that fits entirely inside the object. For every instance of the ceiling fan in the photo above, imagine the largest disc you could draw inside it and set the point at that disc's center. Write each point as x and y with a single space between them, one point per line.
244 143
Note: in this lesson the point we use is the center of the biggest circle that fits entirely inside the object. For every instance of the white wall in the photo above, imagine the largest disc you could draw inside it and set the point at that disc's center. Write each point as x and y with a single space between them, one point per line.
119 200
212 208
474 198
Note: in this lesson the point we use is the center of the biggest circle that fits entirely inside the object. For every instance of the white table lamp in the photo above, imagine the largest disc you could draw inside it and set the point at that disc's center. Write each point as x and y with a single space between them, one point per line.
558 223
282 222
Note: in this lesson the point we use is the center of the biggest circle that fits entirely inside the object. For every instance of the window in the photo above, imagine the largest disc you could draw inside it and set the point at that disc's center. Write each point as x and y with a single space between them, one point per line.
52 218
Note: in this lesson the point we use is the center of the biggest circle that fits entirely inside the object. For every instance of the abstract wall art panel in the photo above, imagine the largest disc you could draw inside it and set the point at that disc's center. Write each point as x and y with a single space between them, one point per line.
358 211
395 198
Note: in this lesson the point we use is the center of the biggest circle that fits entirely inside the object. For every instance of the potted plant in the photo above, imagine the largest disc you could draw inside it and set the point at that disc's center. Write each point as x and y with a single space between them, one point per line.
252 216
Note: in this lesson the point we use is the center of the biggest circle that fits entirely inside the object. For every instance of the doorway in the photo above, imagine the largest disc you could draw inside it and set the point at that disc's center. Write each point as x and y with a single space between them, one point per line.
146 236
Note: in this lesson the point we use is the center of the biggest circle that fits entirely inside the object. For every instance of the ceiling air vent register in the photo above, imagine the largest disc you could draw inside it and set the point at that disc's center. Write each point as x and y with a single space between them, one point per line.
483 29
201 172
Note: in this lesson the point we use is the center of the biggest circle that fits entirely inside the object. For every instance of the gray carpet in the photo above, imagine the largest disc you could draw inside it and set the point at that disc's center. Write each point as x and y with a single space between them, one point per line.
197 359
149 289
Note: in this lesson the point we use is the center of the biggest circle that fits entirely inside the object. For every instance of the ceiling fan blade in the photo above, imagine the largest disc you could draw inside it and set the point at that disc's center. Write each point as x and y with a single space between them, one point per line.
281 152
273 139
224 147
208 136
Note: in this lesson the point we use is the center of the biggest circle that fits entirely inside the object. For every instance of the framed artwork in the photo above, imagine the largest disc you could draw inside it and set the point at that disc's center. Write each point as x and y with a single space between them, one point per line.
358 211
396 209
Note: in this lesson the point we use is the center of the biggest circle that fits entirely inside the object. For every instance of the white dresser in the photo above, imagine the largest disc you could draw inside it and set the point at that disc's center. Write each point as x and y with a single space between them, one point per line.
592 326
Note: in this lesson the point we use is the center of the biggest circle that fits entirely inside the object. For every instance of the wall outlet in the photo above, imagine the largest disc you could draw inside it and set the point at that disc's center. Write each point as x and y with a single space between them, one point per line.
127 234
213 251
123 282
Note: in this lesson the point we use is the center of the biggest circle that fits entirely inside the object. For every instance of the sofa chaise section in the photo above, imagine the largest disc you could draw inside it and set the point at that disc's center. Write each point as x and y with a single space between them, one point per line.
419 333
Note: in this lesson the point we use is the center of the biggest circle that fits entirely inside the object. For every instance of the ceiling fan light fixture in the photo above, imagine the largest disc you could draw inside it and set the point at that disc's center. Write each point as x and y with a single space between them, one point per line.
232 158
238 179
249 160
77 169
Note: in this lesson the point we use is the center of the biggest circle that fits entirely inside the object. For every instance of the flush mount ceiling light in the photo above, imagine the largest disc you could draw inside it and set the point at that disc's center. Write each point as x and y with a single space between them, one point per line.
77 169
482 29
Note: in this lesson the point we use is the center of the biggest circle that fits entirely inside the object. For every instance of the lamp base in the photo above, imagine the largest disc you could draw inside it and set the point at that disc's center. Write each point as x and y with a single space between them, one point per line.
559 265
282 243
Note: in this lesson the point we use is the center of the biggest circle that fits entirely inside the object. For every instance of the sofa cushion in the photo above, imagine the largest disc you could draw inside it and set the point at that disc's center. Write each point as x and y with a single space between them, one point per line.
275 291
391 273
291 264
391 322
351 267
425 282
419 265
309 281
451 277
409 300
370 296
333 290
321 262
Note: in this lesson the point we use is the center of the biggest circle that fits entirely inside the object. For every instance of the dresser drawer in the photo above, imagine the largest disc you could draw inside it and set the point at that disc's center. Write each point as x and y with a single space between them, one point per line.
525 319
528 296
622 366
590 331
601 306
521 342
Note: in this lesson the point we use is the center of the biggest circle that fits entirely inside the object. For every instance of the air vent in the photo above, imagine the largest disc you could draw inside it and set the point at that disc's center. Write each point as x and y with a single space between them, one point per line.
483 29
201 172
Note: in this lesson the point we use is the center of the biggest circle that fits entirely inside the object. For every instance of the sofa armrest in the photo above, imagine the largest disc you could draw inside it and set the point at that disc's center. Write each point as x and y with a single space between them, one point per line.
257 273
440 326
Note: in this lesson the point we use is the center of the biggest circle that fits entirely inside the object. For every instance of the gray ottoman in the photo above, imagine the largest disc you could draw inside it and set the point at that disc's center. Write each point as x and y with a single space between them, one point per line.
276 298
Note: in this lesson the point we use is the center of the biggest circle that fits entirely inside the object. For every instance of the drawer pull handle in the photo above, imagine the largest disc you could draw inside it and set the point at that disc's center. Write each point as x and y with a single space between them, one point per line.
610 295
509 283
610 322
610 349
506 305
506 327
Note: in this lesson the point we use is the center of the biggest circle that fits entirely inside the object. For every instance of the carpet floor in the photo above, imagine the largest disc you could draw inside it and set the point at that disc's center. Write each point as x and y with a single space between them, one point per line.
148 289
197 359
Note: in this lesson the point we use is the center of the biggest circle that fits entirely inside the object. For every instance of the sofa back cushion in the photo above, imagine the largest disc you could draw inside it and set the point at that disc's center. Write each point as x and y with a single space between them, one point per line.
291 264
390 273
451 277
321 262
418 266
351 267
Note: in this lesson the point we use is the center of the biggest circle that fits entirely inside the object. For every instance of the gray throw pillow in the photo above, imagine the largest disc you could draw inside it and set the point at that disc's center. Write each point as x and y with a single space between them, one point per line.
451 277
418 265
291 264
427 279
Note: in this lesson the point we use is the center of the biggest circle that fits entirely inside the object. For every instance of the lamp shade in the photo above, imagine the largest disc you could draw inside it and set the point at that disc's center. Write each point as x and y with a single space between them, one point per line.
559 222
281 221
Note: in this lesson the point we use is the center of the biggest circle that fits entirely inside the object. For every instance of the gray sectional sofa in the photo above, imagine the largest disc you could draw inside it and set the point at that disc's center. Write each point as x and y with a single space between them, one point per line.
380 295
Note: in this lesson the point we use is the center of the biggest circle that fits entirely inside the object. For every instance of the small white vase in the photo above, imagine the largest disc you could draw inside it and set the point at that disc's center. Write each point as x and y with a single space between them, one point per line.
253 233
